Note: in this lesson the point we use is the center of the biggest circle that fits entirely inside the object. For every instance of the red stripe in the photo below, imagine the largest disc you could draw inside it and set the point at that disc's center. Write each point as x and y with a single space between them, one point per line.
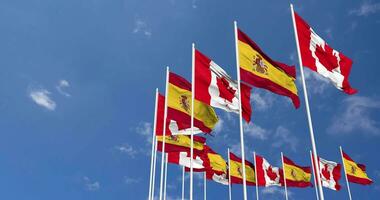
202 77
173 157
302 184
362 181
260 171
269 85
236 180
160 114
237 159
246 101
179 81
337 176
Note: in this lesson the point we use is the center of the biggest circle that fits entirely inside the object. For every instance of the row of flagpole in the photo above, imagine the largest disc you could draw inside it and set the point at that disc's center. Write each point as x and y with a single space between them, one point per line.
313 153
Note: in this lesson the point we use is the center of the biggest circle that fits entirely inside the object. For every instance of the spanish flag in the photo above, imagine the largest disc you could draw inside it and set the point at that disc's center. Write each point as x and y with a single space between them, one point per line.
176 143
216 166
356 173
296 176
259 70
236 171
179 106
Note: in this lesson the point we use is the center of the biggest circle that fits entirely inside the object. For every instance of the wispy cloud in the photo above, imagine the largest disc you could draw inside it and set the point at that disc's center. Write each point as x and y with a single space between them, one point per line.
283 137
219 126
145 129
91 185
142 28
255 131
315 82
366 8
127 149
42 98
262 101
275 191
356 115
62 85
194 4
130 180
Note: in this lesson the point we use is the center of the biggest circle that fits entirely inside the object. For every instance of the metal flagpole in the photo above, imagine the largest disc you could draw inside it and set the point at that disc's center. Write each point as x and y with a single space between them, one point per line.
154 167
192 118
315 179
164 133
229 176
345 174
283 169
166 174
307 106
240 112
153 141
183 183
204 186
256 183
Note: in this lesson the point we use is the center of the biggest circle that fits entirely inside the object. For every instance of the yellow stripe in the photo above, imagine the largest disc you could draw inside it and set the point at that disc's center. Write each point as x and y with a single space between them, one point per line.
217 162
247 57
296 174
353 169
181 140
236 171
180 100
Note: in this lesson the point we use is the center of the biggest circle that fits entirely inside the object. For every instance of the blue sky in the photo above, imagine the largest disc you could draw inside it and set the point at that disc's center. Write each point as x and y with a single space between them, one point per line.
78 78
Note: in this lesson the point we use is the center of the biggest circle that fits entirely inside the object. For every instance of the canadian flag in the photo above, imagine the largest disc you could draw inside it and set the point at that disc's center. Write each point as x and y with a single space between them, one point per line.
330 174
267 175
320 57
183 158
216 88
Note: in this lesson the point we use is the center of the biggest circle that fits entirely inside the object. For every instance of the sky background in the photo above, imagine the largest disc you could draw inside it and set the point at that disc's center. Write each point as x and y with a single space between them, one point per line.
78 78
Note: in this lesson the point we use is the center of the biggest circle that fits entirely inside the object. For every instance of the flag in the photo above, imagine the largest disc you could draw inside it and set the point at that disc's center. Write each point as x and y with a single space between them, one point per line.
356 173
236 171
215 87
184 159
216 166
296 176
330 173
320 57
172 126
179 106
267 175
176 143
259 70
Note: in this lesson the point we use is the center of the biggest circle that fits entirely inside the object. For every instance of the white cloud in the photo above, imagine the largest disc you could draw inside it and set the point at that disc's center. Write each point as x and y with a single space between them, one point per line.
127 149
328 32
262 100
142 27
194 4
283 137
41 97
275 191
129 180
145 129
356 115
366 8
91 185
219 126
315 83
255 131
62 84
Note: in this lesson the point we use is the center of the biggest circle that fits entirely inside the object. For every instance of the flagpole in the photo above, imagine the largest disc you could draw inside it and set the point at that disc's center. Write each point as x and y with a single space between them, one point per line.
256 183
204 186
345 173
153 141
154 167
240 113
314 176
164 133
183 183
166 174
307 106
283 169
229 175
192 118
